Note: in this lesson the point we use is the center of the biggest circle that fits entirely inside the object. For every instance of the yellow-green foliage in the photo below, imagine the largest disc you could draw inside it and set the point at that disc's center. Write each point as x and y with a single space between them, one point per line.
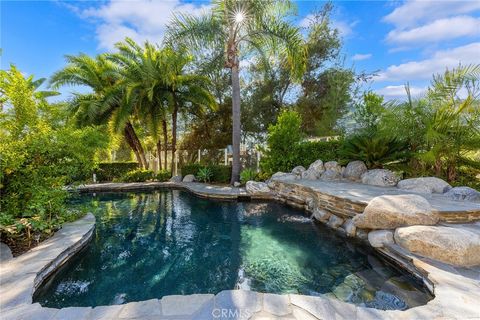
40 153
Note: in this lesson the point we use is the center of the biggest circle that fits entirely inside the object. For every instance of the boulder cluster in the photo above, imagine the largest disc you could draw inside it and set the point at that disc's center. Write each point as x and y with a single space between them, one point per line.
407 220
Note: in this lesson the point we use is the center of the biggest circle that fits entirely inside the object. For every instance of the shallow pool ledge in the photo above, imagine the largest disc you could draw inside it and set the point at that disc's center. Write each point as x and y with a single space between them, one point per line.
457 293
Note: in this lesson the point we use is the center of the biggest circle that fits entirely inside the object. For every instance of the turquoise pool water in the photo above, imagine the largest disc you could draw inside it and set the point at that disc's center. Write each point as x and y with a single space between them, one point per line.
148 245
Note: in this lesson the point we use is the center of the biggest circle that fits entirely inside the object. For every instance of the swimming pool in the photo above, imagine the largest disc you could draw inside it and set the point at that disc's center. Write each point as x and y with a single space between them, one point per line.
148 245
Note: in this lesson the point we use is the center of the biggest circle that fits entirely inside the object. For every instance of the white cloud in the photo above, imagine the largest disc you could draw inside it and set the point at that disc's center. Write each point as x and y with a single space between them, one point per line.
140 19
398 92
359 56
414 13
424 69
441 29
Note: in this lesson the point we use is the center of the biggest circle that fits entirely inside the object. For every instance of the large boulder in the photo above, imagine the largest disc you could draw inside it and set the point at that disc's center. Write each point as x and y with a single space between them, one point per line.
380 177
321 215
314 171
189 178
424 185
333 166
457 246
177 178
354 170
255 187
380 238
463 194
298 170
330 175
393 211
282 176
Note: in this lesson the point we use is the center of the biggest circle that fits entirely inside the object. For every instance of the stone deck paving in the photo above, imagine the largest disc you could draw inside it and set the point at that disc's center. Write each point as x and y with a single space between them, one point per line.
457 290
363 193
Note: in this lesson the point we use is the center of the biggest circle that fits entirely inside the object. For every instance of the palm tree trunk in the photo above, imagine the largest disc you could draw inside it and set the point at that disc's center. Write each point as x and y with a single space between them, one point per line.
174 132
159 154
165 142
130 142
236 166
137 144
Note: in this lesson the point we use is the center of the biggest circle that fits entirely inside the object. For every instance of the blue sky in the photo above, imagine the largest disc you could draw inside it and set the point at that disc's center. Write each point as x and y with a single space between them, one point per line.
402 40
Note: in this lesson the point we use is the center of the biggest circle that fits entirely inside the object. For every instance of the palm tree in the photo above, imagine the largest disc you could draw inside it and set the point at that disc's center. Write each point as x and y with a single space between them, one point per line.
187 92
242 27
157 85
105 103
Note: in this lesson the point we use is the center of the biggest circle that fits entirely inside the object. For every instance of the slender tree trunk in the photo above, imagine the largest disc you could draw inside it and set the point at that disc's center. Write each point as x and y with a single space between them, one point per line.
138 144
165 142
236 166
132 145
159 153
174 131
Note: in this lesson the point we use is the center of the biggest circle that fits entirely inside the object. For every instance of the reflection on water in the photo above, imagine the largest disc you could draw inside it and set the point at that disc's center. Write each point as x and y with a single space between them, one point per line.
147 245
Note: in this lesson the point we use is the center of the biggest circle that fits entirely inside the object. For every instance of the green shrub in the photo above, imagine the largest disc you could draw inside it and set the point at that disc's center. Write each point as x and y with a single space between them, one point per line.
109 171
163 175
220 173
204 174
307 152
191 168
138 175
247 175
282 139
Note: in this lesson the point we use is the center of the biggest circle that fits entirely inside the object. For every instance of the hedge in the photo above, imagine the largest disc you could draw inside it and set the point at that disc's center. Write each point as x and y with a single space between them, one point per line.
109 171
138 175
307 152
220 173
301 154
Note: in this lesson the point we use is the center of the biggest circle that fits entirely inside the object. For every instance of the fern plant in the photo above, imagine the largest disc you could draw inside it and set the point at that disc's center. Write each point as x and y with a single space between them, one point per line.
204 174
374 150
247 175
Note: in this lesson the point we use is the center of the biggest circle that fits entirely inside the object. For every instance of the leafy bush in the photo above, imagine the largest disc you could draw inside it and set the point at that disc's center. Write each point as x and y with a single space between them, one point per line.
283 138
191 168
220 173
307 152
163 175
204 174
138 175
40 154
109 171
374 150
247 175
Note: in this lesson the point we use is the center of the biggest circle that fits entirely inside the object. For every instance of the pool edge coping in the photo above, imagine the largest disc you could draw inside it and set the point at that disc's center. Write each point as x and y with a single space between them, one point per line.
449 300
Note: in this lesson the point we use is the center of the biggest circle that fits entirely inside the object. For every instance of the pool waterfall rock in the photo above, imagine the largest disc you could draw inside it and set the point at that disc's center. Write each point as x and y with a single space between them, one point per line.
456 246
393 211
255 187
380 177
354 170
380 238
424 185
463 194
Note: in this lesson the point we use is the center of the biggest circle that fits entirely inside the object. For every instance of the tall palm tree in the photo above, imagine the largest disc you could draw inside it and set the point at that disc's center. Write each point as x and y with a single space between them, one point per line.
106 102
242 27
187 92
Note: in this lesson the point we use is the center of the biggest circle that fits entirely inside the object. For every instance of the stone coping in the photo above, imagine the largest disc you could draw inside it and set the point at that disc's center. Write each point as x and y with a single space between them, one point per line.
199 189
457 291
